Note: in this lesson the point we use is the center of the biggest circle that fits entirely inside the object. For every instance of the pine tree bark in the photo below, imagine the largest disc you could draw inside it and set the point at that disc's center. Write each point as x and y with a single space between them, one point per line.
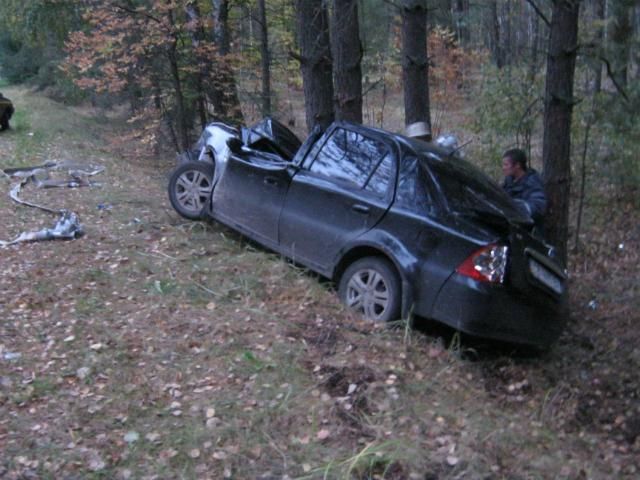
556 149
315 62
415 66
265 58
347 58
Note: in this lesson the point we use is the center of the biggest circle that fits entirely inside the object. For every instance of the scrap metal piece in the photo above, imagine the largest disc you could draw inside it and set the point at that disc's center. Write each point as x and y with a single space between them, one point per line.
67 227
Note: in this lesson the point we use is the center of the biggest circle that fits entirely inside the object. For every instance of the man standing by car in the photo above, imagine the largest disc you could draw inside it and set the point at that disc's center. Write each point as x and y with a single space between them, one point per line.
6 110
524 184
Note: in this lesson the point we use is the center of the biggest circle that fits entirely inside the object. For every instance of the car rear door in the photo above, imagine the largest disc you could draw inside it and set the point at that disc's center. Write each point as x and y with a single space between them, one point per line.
343 188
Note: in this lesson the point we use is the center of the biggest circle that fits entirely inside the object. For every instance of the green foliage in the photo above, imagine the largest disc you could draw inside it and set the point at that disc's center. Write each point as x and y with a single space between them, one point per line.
19 61
32 41
620 132
507 111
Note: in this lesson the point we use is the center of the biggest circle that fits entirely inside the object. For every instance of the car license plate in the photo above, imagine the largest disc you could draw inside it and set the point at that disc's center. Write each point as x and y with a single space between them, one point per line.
544 276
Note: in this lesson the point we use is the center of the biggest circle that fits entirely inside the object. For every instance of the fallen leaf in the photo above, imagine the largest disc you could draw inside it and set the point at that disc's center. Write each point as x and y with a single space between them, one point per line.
452 461
131 437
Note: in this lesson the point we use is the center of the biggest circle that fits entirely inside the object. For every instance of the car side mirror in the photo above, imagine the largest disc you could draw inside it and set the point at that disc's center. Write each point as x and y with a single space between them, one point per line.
235 145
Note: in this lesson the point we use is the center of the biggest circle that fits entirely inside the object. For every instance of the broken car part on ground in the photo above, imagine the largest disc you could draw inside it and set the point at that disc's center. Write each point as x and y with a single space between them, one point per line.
68 224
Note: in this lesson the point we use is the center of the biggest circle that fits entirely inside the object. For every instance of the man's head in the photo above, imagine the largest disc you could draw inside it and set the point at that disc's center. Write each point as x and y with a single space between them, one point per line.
514 163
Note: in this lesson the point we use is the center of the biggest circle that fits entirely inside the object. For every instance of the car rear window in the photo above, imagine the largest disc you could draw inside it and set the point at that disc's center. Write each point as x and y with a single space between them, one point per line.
466 187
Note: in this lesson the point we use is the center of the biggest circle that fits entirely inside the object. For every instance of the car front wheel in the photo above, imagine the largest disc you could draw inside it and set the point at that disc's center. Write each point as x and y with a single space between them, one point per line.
190 186
371 287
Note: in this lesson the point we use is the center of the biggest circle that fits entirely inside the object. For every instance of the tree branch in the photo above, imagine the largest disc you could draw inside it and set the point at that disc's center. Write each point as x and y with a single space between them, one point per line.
136 12
613 78
539 12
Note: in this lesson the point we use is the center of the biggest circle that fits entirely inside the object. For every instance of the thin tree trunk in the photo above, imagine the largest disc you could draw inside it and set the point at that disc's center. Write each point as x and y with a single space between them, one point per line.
265 58
183 131
461 19
496 40
415 67
226 101
507 45
534 42
315 62
621 40
599 15
556 149
347 57
192 11
583 179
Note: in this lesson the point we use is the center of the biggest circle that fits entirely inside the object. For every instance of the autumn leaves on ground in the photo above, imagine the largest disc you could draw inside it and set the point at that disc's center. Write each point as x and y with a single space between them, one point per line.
159 348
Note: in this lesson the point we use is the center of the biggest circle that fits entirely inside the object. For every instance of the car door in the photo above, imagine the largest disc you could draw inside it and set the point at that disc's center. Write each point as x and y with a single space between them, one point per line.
343 188
250 194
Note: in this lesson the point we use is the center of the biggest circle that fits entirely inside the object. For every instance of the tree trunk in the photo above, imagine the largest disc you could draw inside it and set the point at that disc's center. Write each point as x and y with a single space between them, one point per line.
192 11
556 149
534 42
220 13
225 101
461 19
599 16
415 67
347 57
265 58
315 62
181 120
621 39
496 40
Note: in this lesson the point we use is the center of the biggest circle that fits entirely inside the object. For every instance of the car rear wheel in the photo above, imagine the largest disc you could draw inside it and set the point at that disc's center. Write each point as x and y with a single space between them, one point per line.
371 287
190 186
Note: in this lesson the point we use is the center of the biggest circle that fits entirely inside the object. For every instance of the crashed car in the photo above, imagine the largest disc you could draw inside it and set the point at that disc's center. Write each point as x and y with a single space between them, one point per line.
402 226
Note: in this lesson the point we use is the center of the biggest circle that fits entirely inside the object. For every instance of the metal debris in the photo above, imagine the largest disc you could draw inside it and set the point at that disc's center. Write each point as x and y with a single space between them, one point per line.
68 224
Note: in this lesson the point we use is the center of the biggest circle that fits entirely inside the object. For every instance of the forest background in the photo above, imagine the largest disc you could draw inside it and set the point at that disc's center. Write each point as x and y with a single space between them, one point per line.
176 65
158 70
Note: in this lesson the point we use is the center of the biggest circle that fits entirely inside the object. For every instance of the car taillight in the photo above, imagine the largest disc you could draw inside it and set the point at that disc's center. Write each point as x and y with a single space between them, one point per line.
487 264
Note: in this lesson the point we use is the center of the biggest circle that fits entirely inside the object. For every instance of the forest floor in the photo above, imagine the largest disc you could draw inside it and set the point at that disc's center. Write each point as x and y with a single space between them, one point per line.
154 347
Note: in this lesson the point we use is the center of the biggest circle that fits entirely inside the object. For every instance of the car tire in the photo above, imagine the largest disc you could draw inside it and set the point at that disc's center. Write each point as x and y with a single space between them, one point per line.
190 187
371 286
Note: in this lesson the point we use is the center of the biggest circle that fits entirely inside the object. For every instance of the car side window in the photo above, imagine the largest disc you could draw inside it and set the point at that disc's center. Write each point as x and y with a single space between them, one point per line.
413 191
351 157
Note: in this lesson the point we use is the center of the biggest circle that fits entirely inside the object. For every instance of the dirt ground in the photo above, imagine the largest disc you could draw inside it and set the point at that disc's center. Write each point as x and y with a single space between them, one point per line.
157 348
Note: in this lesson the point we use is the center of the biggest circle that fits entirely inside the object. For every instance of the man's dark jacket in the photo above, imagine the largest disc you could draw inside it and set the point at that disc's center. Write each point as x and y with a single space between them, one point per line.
528 191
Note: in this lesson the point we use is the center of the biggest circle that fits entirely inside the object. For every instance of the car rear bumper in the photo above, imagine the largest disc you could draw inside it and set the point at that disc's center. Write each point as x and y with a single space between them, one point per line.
495 311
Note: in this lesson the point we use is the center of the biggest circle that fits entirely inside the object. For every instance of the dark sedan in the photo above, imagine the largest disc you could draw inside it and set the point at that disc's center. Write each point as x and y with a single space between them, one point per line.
402 226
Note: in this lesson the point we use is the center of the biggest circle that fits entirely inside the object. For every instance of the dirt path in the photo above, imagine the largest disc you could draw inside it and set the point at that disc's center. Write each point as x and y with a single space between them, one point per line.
159 348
